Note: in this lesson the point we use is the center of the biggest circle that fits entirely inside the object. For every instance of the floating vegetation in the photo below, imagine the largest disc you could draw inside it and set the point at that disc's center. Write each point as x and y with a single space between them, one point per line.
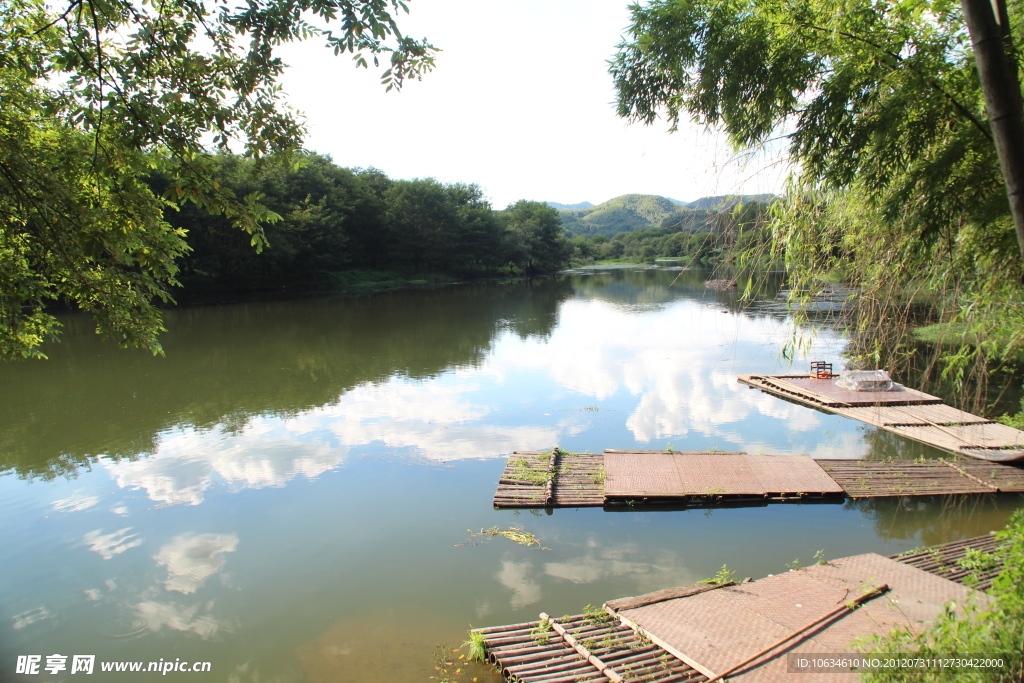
452 669
444 659
477 647
516 534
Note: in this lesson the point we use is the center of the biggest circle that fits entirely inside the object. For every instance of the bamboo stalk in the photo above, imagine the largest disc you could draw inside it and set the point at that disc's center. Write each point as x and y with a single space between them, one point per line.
970 476
584 652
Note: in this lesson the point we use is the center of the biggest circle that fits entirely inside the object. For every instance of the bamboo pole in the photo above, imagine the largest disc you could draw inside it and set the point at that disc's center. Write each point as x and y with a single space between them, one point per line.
582 650
989 26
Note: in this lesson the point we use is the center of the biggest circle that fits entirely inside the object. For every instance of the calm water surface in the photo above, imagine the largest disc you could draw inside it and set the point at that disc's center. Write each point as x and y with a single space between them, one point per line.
289 493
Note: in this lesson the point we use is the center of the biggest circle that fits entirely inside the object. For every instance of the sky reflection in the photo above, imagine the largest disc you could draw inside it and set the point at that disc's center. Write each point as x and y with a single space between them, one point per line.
669 369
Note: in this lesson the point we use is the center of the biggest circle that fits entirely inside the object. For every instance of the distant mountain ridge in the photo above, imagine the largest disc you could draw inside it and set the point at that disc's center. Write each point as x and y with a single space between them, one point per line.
643 211
570 207
727 201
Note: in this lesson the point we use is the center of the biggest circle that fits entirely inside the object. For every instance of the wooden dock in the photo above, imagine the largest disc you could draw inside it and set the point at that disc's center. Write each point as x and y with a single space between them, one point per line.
701 478
907 412
692 633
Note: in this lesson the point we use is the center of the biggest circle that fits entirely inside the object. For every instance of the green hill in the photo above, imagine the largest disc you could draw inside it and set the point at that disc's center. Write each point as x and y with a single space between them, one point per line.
643 211
622 214
727 201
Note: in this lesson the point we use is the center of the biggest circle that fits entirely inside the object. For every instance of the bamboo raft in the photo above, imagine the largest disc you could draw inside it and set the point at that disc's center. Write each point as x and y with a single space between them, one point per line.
959 561
913 414
609 646
556 478
700 479
877 478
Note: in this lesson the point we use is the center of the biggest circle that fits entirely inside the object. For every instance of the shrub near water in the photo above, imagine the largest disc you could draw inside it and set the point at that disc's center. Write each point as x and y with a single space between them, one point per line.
996 631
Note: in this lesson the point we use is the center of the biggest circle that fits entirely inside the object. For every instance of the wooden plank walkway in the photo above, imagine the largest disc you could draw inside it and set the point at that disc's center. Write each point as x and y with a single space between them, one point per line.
701 479
610 646
913 414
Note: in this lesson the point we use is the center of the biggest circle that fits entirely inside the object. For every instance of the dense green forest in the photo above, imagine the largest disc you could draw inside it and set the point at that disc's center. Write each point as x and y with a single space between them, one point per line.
328 226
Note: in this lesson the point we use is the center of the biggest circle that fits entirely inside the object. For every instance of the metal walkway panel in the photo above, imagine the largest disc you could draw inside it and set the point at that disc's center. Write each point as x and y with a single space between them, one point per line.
789 474
720 629
668 474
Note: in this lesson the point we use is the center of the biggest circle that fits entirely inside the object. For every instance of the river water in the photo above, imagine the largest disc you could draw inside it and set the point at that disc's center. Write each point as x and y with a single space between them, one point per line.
289 493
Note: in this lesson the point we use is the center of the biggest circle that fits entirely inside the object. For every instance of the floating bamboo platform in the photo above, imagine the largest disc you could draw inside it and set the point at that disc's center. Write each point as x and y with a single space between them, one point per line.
536 479
619 478
959 561
875 478
589 647
693 633
907 412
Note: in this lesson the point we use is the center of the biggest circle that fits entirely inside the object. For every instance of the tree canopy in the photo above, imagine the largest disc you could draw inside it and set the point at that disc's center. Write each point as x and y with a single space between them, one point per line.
897 185
96 95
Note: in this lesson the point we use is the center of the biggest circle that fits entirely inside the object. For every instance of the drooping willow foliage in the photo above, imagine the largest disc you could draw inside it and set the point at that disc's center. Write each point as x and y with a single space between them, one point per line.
897 188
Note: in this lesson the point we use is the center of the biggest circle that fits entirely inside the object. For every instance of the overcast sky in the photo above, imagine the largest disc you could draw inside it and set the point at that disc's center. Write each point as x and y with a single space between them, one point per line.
520 103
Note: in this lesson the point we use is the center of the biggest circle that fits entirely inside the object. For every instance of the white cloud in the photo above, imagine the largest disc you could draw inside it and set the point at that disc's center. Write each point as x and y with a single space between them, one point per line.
191 559
517 577
198 618
30 617
108 545
666 358
647 572
187 461
76 502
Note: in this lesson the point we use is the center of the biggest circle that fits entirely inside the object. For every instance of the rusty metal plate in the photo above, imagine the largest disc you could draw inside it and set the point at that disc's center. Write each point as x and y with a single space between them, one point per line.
721 628
678 474
667 475
826 392
791 474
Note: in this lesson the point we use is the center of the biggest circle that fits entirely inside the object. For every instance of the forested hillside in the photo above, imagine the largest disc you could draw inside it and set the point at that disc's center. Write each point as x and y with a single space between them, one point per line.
738 236
328 225
631 212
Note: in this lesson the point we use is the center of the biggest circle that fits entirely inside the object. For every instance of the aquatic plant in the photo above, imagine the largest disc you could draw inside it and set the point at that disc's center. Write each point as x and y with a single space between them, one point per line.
517 534
476 647
723 577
